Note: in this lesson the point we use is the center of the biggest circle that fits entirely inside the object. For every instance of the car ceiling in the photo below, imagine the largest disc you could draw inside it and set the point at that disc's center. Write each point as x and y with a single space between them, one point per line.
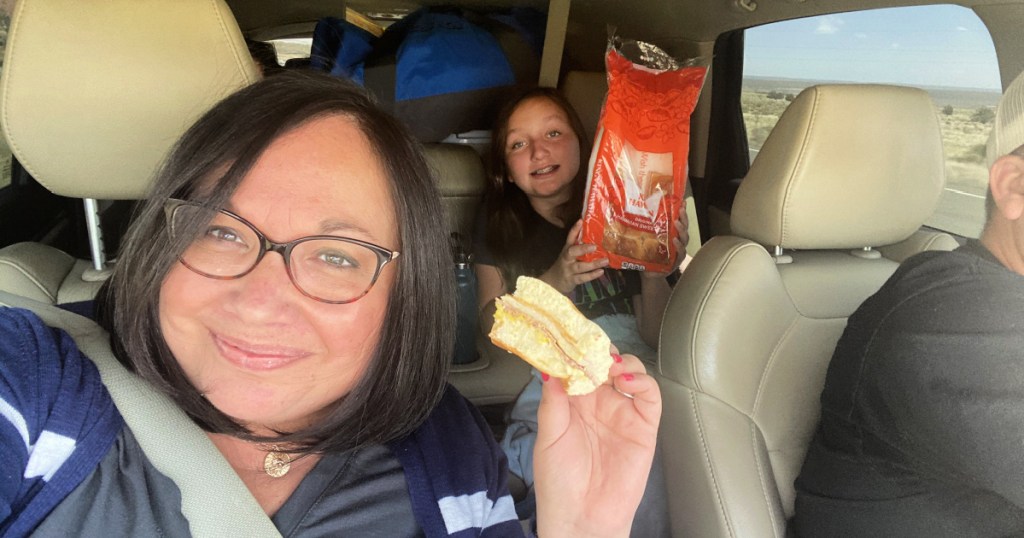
682 27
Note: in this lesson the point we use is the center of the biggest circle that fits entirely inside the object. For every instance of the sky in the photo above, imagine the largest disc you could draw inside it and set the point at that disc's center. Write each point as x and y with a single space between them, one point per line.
941 45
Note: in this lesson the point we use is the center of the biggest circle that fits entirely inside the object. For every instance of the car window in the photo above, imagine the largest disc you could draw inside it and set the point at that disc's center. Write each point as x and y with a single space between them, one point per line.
945 50
290 48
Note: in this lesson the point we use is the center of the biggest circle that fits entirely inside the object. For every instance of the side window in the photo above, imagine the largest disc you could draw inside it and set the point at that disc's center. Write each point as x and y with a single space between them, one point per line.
943 49
292 48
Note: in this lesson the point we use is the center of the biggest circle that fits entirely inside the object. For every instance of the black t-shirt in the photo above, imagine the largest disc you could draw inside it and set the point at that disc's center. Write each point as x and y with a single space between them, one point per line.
922 422
612 293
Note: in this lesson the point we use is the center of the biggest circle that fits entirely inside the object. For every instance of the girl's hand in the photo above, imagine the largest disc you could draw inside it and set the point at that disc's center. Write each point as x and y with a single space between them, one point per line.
681 240
567 271
594 452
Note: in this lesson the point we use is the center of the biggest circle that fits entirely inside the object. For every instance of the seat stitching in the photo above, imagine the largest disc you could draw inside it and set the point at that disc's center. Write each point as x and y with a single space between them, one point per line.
760 476
226 34
29 276
811 121
710 467
768 366
703 305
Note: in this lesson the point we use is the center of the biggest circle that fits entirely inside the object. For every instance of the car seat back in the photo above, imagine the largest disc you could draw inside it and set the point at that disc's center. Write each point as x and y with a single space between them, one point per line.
749 332
93 95
461 179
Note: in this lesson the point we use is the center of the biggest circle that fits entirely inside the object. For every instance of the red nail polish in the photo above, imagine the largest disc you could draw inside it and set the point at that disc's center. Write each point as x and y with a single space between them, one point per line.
627 377
616 357
544 377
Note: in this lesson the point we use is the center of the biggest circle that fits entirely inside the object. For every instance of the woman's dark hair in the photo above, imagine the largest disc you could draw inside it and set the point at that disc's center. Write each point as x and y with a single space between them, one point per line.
407 375
509 214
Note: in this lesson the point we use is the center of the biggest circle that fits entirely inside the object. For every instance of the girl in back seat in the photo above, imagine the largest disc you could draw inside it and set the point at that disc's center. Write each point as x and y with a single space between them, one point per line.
531 225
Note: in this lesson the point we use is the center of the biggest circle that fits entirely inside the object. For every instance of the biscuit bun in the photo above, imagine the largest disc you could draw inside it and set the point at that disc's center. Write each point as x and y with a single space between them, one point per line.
545 329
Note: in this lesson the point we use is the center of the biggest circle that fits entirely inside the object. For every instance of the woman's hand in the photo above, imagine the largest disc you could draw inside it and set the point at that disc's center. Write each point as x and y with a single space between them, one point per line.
680 241
594 452
567 271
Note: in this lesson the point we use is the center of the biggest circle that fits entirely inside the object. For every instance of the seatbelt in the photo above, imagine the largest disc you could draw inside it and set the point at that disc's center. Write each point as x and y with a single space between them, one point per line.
213 498
554 42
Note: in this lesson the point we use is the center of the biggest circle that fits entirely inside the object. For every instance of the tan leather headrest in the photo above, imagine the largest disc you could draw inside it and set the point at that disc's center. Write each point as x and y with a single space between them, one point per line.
458 169
93 94
846 166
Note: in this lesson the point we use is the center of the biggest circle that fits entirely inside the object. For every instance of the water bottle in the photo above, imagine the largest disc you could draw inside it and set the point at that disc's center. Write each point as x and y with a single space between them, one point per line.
466 301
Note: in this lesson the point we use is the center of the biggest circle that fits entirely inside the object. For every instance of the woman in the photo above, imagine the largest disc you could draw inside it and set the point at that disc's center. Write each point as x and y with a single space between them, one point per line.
318 370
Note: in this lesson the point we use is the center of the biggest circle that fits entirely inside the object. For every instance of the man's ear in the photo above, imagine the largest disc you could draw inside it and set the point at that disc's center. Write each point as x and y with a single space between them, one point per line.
1006 180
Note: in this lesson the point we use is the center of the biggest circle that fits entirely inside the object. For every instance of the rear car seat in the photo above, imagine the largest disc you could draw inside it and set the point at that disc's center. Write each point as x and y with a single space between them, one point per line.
496 377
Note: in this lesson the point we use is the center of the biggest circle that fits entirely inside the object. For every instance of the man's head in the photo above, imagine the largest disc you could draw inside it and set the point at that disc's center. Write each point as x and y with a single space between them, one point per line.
1004 226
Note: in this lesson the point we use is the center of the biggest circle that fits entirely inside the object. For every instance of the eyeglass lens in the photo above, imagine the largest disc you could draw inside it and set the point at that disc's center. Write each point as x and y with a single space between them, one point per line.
333 270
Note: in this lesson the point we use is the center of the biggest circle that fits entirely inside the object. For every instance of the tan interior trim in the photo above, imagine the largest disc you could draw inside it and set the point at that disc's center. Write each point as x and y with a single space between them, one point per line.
554 42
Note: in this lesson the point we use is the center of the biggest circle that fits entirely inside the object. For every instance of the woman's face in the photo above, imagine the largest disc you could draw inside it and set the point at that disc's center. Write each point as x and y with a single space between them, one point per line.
256 347
541 151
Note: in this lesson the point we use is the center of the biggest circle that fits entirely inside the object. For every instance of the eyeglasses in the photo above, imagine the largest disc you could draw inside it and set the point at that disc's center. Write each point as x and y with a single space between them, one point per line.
323 267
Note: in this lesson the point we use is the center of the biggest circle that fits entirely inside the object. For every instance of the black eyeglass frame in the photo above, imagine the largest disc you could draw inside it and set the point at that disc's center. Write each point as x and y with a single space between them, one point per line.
384 255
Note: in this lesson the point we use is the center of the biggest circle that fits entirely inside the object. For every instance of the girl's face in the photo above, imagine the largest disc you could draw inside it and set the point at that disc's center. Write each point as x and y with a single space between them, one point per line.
256 347
542 152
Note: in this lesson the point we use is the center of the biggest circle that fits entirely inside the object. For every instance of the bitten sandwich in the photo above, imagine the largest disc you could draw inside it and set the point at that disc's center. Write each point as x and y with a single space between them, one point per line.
545 329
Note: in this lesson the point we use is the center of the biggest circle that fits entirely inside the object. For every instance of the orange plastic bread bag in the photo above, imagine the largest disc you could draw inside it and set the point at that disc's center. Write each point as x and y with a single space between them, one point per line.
638 168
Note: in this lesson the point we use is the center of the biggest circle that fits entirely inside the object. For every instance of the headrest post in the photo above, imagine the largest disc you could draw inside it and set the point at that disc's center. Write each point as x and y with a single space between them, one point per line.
866 253
92 224
780 256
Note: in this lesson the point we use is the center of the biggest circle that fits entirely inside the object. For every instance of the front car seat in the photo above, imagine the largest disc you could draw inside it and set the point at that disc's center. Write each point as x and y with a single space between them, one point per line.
847 177
93 95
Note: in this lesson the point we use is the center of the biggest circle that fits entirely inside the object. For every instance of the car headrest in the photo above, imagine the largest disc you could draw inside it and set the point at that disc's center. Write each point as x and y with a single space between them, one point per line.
846 166
461 179
458 169
94 94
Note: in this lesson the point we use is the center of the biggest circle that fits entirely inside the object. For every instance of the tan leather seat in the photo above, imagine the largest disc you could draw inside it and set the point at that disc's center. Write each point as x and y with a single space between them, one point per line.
496 377
848 175
94 95
461 179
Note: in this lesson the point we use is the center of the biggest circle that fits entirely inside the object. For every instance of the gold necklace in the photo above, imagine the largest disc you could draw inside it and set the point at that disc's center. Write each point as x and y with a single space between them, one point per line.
276 464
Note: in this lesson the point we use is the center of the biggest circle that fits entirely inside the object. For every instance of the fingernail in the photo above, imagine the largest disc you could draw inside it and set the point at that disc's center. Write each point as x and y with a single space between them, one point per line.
544 377
627 377
616 357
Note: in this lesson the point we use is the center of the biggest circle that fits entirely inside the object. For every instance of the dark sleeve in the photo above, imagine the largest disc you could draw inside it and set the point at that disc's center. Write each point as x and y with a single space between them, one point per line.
19 389
944 383
57 420
632 283
456 473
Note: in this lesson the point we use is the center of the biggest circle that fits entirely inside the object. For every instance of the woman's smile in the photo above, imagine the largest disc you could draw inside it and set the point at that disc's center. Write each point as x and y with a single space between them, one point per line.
252 356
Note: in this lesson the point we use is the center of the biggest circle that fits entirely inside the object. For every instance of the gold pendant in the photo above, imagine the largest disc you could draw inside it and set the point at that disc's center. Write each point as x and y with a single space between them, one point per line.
276 464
